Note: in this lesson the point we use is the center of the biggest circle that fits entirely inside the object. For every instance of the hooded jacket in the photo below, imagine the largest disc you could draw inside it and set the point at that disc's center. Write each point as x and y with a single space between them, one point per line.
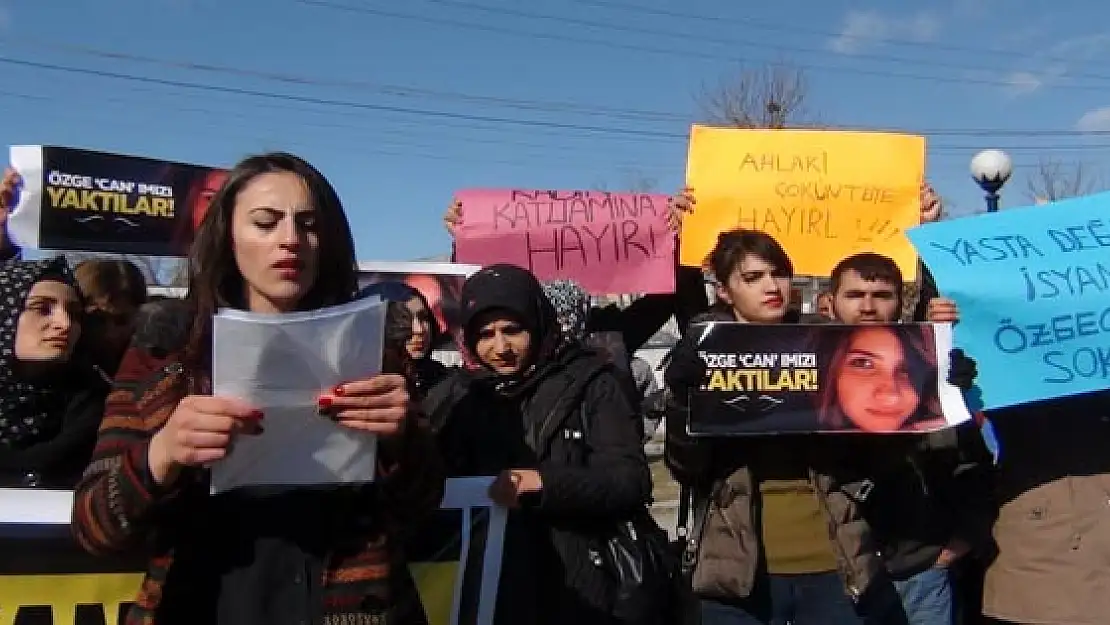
533 420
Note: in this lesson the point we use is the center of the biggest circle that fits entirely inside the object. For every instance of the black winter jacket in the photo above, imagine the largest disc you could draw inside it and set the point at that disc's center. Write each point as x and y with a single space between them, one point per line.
58 462
588 482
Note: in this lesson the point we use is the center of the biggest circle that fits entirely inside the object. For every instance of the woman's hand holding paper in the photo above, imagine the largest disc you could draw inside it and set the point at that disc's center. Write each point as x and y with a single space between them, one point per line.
379 404
198 433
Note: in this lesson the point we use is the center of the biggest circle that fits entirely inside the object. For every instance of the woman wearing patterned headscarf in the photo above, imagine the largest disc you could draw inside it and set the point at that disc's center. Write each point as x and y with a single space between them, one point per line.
572 308
574 312
50 403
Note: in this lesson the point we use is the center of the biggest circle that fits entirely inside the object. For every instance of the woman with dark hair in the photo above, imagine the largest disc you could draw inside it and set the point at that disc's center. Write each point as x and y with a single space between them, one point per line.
779 540
409 303
114 291
556 426
879 379
275 240
51 400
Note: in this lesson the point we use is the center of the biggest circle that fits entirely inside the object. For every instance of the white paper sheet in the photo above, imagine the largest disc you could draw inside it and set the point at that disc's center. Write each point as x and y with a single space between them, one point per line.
32 506
23 222
952 402
281 364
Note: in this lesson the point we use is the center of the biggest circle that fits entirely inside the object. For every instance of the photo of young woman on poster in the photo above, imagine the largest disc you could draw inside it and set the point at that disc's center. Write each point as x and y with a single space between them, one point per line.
203 185
439 283
878 379
201 192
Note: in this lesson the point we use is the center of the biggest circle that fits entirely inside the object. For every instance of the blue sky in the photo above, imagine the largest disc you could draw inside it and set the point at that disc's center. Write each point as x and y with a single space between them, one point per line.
401 103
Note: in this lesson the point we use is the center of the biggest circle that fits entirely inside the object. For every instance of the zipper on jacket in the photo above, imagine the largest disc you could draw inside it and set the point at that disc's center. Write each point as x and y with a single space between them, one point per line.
851 585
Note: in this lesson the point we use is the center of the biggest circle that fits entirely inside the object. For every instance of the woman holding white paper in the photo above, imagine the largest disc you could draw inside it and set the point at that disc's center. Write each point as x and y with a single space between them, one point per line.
275 240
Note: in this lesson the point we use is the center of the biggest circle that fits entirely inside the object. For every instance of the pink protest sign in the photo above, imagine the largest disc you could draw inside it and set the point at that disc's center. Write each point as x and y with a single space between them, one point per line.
610 243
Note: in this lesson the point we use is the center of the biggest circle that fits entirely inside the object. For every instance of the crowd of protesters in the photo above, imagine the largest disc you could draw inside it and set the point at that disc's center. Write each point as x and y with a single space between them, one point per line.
108 394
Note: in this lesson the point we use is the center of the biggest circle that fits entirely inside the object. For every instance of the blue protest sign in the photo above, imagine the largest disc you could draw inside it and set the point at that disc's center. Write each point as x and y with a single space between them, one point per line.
1033 287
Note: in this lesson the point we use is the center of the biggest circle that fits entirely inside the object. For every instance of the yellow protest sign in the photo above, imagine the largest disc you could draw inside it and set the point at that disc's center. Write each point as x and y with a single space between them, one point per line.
63 593
824 195
105 593
455 563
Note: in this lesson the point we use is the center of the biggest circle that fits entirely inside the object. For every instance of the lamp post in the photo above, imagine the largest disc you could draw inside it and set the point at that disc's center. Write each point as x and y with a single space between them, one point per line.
991 169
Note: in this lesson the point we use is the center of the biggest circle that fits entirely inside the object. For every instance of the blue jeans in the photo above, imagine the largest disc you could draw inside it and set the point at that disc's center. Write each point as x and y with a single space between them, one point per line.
810 599
927 598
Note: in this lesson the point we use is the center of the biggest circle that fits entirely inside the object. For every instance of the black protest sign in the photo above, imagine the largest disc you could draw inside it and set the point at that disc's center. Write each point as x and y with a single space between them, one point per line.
99 202
774 379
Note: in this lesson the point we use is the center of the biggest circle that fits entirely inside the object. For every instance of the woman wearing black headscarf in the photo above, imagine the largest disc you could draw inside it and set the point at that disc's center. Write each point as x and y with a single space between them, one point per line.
522 419
50 402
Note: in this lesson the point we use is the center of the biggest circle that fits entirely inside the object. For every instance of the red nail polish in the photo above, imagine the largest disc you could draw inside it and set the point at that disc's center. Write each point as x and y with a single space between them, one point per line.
256 415
338 391
324 402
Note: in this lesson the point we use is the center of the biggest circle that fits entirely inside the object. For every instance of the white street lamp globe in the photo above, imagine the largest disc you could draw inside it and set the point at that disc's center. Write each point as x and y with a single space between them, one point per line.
991 169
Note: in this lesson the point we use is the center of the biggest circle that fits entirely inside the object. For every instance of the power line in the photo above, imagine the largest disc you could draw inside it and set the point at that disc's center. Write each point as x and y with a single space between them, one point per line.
340 103
400 149
670 51
527 104
403 148
774 27
415 129
644 134
702 37
381 88
393 138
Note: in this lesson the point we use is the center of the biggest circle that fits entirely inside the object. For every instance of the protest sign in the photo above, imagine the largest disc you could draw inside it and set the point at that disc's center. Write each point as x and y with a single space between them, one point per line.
439 283
824 195
773 379
1033 288
79 200
608 242
45 578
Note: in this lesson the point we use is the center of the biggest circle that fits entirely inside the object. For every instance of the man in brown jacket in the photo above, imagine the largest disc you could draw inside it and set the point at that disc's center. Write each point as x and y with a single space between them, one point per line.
1053 528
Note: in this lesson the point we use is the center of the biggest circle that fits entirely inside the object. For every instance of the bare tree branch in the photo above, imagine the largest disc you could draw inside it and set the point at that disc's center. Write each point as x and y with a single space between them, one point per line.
772 96
1054 180
639 182
635 181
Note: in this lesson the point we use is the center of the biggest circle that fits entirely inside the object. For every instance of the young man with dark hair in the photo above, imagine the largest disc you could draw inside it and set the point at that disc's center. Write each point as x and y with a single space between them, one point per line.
930 503
866 288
